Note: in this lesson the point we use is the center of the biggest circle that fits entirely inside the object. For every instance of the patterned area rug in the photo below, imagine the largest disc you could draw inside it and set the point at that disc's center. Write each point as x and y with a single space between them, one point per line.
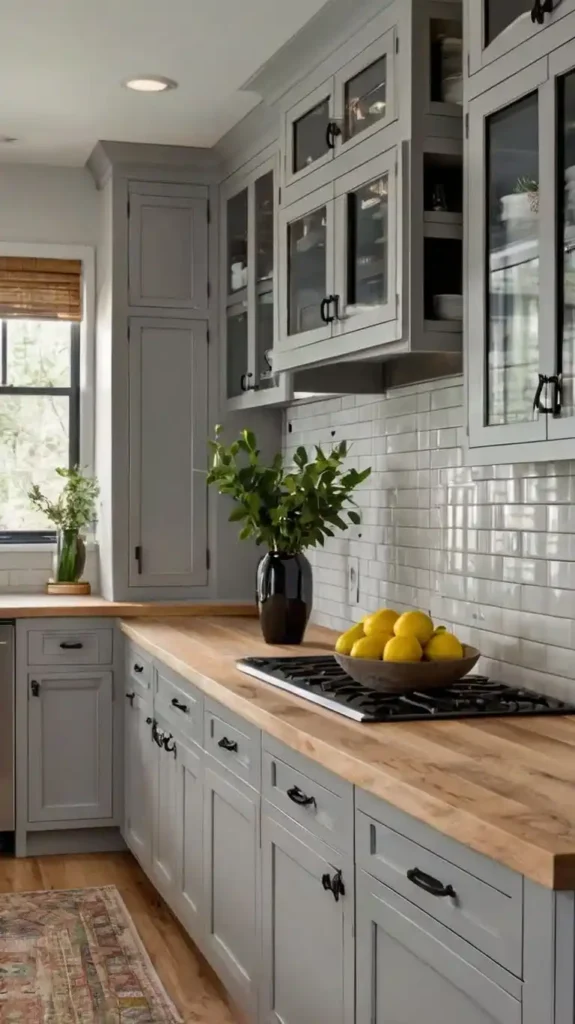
74 957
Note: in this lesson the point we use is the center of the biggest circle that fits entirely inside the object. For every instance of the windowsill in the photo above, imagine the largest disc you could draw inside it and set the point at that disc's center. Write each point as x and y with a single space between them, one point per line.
91 545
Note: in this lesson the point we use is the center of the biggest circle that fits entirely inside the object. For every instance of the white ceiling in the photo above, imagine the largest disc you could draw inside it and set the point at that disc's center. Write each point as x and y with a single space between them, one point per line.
63 62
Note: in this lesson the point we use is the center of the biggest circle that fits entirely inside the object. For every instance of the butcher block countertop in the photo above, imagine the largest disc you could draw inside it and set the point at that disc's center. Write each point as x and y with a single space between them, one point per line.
503 787
28 606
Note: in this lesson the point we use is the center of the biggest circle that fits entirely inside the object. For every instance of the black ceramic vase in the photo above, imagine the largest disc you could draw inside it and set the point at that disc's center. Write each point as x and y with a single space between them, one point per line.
284 593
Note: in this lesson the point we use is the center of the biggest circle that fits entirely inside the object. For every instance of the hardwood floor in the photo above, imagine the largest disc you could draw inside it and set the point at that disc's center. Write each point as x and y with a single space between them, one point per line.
187 977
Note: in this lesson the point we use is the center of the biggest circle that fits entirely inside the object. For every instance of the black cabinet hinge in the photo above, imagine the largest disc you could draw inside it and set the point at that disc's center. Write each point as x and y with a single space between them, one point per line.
397 44
209 290
208 212
208 558
208 335
138 557
467 126
128 206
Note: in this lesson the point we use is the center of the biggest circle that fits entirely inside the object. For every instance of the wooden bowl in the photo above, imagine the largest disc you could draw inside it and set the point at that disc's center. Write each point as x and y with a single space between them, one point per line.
398 677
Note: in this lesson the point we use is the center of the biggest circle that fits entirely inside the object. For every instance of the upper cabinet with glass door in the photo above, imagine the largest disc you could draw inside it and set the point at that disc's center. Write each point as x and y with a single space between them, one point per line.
249 314
496 28
521 265
350 106
338 266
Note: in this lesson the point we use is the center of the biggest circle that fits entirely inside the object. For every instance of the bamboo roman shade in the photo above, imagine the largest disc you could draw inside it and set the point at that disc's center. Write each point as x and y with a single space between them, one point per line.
40 288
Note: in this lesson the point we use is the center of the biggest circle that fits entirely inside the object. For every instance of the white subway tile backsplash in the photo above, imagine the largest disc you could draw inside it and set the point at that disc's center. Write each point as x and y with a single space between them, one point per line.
489 550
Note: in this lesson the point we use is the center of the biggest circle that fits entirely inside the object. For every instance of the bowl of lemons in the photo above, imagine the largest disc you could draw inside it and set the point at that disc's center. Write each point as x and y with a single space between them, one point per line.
393 653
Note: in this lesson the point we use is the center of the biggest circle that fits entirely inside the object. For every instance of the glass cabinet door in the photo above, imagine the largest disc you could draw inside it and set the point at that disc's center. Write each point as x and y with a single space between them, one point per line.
264 305
310 133
505 274
364 92
237 367
496 27
366 212
237 242
306 282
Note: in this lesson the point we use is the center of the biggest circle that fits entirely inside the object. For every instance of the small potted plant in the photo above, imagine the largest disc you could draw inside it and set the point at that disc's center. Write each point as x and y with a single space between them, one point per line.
287 509
74 509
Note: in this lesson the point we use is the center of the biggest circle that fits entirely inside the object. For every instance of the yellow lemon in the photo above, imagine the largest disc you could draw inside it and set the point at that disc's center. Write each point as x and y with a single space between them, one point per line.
370 646
402 648
345 642
382 621
443 646
415 624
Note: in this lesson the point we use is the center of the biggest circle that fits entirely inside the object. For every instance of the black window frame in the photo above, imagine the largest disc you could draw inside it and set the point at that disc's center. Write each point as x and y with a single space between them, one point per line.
72 392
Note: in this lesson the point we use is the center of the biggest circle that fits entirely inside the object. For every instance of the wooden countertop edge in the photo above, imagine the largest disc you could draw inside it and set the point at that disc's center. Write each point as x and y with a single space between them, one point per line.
117 609
551 869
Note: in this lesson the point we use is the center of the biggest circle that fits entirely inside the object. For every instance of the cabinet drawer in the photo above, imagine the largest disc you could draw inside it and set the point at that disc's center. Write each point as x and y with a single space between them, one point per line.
70 646
179 702
139 671
488 917
309 795
233 742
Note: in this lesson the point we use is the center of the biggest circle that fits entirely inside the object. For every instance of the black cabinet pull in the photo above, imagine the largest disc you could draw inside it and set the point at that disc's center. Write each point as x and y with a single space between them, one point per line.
430 884
555 408
138 557
35 688
71 645
130 697
334 885
138 669
180 707
540 9
166 740
245 382
295 794
325 310
332 130
227 744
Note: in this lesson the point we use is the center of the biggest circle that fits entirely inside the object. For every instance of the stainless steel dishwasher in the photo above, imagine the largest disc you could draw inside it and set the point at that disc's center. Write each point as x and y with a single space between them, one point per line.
6 735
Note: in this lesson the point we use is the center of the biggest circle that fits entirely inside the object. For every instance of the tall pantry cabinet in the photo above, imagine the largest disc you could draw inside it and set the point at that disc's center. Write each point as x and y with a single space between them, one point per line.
162 536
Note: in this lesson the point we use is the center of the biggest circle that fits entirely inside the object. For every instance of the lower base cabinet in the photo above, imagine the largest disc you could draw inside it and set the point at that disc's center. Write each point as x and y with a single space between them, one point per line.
308 910
189 832
231 882
407 975
165 853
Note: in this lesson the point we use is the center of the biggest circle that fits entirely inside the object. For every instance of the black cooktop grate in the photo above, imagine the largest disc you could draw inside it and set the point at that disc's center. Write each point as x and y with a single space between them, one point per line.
321 680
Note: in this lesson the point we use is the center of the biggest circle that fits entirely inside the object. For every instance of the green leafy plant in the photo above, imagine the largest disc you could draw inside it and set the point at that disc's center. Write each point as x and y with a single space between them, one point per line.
526 184
289 508
75 506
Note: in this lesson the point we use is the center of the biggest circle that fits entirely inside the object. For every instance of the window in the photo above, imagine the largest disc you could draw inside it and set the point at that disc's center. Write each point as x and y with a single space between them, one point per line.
40 313
39 418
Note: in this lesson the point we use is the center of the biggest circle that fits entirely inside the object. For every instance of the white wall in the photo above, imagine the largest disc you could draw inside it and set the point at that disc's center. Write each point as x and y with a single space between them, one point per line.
48 204
488 550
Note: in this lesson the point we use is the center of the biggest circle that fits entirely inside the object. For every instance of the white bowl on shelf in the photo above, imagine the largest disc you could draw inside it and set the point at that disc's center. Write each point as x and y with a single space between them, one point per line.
448 307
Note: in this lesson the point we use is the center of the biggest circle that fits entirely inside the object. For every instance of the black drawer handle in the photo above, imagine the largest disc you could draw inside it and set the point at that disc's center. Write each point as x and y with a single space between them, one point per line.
430 884
300 798
130 697
71 645
138 668
180 707
227 744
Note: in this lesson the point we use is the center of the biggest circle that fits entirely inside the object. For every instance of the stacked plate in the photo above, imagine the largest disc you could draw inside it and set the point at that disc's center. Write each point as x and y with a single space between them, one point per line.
570 190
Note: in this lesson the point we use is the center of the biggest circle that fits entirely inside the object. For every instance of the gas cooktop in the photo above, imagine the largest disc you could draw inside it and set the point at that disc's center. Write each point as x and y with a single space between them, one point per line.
322 681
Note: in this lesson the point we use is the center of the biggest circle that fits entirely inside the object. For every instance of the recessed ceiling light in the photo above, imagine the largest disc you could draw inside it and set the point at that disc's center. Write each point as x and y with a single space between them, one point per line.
150 83
5 140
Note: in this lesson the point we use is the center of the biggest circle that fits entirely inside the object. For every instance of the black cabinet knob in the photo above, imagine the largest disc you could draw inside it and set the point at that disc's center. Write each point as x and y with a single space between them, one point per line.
138 669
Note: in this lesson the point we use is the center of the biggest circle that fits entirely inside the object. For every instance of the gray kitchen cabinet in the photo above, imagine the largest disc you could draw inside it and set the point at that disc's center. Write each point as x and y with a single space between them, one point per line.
307 926
168 247
408 971
163 754
139 760
497 32
231 882
188 893
168 426
69 745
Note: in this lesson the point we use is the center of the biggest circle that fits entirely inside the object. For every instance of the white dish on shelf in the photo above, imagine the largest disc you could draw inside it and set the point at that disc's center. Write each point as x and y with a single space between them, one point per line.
452 88
448 307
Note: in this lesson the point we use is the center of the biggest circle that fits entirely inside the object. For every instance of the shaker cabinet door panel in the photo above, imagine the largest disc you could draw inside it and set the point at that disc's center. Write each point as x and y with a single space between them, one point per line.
165 810
189 831
168 248
406 974
168 455
139 761
307 933
231 849
69 746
